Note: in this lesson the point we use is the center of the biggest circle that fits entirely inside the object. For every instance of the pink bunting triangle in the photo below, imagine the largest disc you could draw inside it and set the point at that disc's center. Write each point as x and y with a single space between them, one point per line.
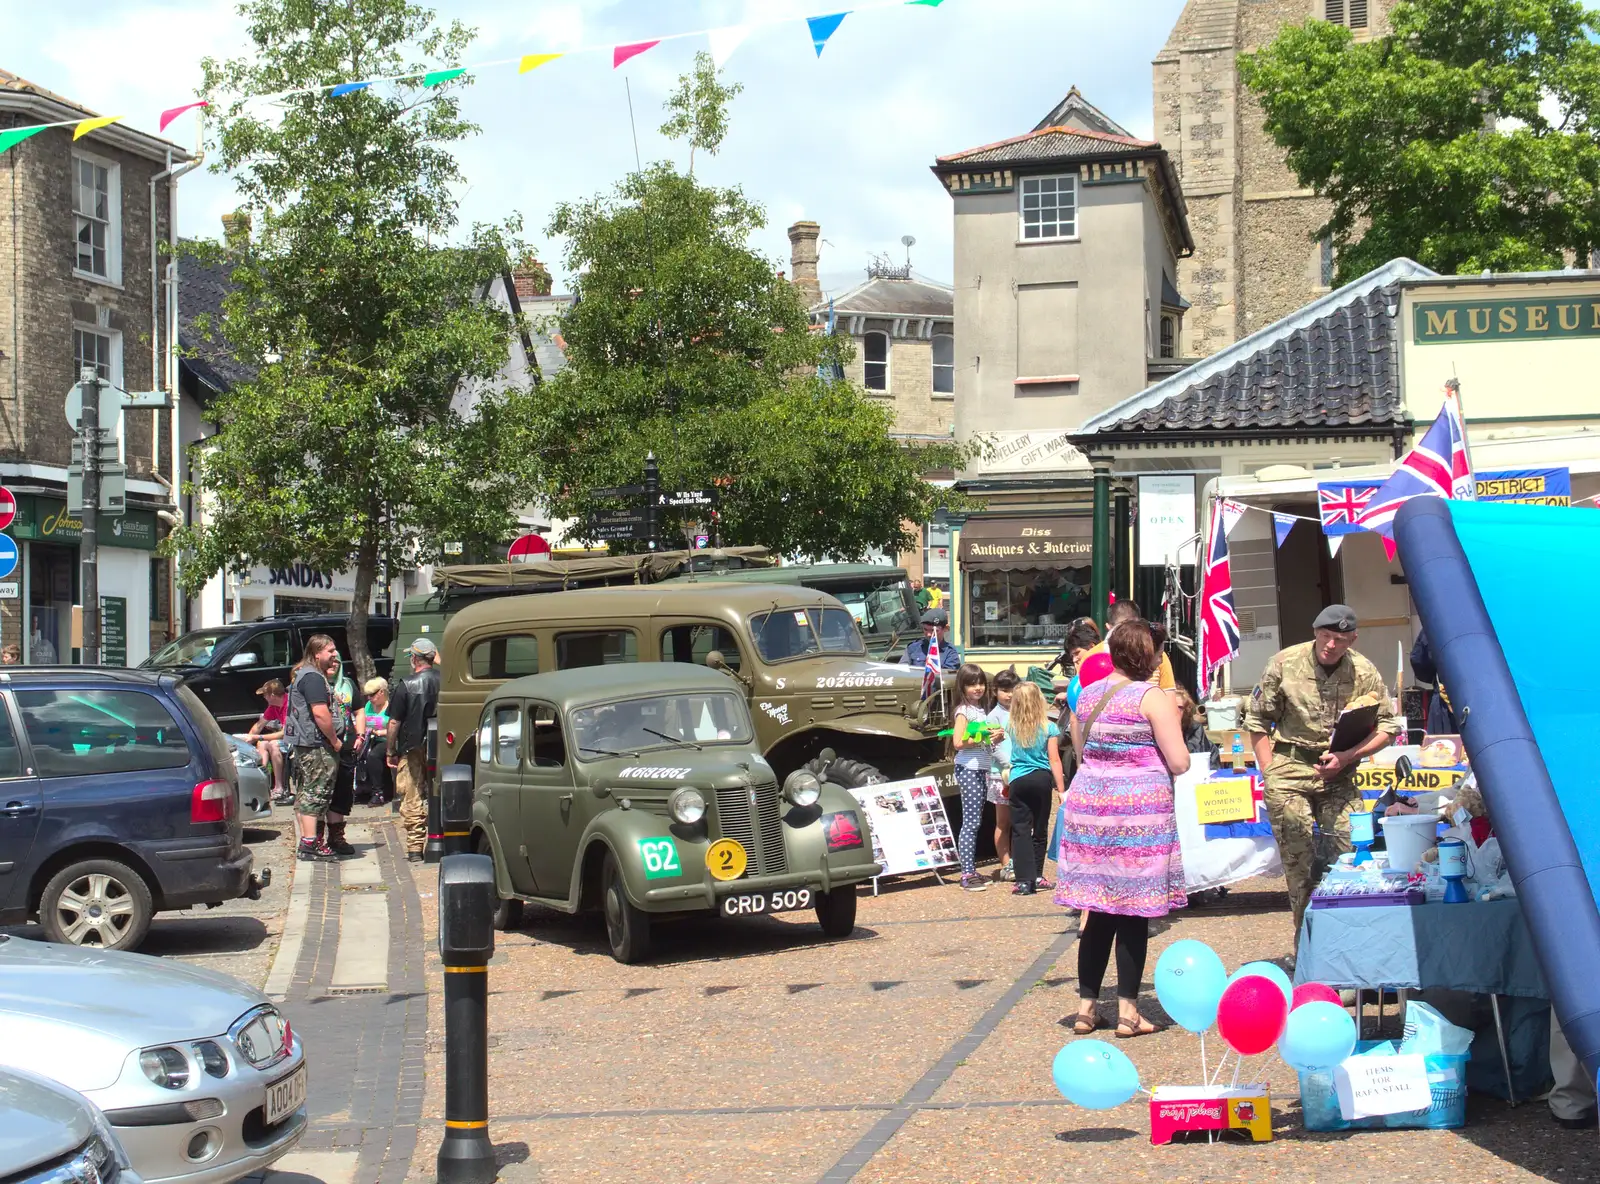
172 113
623 52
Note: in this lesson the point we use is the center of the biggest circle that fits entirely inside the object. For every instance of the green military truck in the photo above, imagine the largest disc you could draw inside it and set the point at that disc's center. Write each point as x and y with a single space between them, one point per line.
640 791
879 597
796 654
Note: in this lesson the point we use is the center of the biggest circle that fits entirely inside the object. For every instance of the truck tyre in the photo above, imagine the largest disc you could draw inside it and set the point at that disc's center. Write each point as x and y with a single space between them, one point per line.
845 772
836 911
627 927
97 903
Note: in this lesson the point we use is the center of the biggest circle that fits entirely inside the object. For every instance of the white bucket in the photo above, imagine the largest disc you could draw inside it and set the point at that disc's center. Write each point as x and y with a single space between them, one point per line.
1222 715
1408 836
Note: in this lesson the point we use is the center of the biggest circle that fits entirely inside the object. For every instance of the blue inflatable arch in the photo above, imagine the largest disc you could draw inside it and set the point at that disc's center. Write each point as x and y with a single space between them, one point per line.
1485 578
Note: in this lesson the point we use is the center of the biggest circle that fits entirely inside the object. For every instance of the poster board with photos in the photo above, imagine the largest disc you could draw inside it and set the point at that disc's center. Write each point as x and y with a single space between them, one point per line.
910 830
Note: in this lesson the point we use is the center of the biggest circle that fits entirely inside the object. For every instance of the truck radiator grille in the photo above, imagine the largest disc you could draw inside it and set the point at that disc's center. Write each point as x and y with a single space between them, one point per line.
759 832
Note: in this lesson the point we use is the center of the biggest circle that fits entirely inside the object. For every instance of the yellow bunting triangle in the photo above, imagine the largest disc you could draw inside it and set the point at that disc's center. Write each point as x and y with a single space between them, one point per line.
533 61
89 125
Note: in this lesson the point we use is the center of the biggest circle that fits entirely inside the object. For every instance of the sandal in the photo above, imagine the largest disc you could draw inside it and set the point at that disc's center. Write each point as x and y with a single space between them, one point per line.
1085 1025
1127 1031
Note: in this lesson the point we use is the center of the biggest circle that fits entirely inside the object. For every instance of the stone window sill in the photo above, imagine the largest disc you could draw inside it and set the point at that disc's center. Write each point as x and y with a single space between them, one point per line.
97 279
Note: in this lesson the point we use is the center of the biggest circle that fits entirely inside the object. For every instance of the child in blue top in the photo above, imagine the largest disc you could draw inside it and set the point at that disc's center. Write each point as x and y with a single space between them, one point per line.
1035 752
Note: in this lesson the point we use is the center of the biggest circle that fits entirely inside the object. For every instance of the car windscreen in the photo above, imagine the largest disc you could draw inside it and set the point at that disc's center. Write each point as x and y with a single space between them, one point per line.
660 721
192 649
885 609
786 633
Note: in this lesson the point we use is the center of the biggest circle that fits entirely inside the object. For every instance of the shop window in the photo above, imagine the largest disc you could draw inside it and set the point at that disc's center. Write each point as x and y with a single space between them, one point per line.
875 353
599 647
944 364
936 553
1026 607
79 733
504 657
691 643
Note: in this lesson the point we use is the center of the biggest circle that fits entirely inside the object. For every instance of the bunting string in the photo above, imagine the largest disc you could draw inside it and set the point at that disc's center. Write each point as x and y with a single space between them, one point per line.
722 42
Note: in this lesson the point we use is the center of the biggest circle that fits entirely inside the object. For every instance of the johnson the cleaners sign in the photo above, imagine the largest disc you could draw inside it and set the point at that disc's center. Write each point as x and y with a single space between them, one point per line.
1458 321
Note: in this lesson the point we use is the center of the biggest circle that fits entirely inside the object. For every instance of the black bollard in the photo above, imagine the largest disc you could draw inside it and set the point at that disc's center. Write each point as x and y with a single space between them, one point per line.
433 849
455 806
466 943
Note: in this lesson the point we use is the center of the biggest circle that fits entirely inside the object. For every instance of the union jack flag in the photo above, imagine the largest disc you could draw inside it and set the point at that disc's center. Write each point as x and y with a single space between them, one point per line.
1436 466
930 667
1340 504
1219 624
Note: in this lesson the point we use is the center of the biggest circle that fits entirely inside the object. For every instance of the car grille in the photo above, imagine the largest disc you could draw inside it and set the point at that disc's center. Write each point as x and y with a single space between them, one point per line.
758 831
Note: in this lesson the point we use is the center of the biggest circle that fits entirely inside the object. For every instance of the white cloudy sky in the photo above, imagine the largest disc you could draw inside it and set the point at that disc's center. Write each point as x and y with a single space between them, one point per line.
845 140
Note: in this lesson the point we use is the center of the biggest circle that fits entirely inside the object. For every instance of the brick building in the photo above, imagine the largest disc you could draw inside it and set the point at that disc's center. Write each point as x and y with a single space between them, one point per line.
1256 256
85 283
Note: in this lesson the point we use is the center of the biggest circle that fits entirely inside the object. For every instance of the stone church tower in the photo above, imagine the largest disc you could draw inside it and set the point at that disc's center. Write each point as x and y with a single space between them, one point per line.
1255 259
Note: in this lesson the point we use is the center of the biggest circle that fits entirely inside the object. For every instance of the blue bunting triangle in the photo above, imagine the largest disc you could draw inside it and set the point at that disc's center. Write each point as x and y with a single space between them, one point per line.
823 27
347 88
1282 524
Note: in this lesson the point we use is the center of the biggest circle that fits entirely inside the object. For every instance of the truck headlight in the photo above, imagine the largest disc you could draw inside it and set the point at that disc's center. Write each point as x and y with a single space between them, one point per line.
802 788
686 805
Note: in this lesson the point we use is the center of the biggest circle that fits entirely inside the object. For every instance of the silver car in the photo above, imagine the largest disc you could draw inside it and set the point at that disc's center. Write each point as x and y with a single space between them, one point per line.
52 1135
199 1074
255 780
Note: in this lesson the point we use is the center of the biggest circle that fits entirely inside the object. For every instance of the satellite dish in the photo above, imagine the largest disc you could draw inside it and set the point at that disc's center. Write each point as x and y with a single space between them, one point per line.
908 241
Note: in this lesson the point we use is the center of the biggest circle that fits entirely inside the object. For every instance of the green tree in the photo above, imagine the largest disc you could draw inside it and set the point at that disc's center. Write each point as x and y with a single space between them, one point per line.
686 343
1437 140
350 447
699 108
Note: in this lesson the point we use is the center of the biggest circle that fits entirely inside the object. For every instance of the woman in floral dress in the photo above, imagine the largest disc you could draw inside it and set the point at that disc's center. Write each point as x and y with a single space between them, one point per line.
1119 859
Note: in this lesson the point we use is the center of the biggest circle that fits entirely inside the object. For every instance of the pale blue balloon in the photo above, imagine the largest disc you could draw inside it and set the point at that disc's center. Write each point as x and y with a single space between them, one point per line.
1074 689
1190 979
1266 970
1094 1075
1319 1036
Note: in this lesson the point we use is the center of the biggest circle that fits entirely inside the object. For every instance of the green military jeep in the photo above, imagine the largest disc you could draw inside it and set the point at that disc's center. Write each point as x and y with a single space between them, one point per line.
640 791
795 654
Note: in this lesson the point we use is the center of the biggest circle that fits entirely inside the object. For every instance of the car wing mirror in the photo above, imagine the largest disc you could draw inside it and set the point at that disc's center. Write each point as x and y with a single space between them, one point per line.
239 661
716 661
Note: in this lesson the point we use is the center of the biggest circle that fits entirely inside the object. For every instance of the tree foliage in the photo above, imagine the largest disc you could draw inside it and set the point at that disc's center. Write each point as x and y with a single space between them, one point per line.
699 108
353 445
1466 138
686 343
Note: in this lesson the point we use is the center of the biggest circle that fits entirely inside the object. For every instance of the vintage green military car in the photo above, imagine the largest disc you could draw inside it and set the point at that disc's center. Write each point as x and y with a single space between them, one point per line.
640 791
795 655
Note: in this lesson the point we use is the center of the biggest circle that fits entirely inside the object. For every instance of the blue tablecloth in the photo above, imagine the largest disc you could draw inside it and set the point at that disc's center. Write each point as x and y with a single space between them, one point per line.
1482 947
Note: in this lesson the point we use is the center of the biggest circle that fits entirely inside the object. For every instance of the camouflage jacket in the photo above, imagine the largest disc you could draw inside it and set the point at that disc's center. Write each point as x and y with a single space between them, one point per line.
1304 700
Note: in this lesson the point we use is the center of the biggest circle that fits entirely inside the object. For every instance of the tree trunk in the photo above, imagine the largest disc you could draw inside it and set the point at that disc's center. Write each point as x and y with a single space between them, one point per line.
366 574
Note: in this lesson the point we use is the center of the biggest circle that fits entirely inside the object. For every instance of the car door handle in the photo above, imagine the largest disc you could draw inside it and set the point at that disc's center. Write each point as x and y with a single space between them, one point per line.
486 793
18 809
566 798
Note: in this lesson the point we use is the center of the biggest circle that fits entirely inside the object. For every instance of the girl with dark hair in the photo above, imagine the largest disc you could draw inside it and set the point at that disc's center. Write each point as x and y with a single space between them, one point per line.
972 769
1119 859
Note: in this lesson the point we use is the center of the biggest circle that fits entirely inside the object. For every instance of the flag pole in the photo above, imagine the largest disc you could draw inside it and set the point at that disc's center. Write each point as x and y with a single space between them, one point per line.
1452 390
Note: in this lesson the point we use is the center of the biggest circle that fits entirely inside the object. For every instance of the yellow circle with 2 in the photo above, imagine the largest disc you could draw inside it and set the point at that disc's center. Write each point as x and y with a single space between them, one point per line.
726 859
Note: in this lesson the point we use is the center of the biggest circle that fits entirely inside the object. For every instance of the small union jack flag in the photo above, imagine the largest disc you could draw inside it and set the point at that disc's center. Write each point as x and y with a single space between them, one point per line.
930 667
1340 504
1436 466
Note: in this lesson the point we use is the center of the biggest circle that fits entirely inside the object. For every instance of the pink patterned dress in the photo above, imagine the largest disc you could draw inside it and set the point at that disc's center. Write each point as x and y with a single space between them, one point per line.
1119 838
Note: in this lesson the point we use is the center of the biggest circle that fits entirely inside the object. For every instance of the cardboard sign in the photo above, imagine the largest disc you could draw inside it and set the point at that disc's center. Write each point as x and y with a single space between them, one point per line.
1245 1108
1230 799
1380 778
1370 1086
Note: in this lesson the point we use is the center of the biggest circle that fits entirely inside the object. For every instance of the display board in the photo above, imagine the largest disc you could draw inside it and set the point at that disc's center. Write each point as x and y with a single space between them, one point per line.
910 830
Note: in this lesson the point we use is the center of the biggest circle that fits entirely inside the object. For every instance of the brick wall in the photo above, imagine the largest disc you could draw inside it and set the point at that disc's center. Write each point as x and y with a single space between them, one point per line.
37 260
916 408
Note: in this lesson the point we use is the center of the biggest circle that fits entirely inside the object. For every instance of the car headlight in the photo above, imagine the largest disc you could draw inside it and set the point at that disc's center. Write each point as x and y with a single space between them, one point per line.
802 788
211 1057
686 805
167 1067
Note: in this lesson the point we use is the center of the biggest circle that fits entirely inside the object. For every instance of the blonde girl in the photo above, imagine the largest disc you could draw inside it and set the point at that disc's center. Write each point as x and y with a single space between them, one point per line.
1035 770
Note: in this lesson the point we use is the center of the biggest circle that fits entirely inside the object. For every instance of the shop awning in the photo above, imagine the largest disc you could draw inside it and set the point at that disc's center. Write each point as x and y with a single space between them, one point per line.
1020 543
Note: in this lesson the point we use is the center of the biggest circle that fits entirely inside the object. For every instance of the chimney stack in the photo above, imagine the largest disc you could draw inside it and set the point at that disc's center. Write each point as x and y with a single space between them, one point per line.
532 278
803 238
236 230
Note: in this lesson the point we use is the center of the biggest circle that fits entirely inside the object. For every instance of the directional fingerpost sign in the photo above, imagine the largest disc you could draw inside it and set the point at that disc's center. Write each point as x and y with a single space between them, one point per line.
8 508
8 555
685 498
616 491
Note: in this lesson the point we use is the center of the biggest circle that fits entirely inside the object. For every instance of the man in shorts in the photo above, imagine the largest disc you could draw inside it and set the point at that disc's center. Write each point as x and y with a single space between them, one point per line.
315 734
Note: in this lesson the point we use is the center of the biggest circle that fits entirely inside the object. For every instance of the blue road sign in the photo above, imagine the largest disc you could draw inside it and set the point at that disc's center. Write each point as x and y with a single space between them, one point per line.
8 555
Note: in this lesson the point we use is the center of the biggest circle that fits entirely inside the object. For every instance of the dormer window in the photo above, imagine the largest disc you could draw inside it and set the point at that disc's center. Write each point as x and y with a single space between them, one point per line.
1049 207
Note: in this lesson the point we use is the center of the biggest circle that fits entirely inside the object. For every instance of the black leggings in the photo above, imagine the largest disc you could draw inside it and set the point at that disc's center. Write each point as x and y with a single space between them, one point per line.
1095 934
1030 824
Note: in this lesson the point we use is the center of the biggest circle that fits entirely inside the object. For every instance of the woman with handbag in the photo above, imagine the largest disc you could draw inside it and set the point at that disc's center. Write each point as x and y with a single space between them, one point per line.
1119 860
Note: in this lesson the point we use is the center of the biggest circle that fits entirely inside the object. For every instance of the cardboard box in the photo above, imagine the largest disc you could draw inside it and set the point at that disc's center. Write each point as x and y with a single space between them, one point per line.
1177 1108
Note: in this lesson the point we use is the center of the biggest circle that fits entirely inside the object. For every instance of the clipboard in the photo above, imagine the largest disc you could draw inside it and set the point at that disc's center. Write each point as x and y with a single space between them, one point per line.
1355 725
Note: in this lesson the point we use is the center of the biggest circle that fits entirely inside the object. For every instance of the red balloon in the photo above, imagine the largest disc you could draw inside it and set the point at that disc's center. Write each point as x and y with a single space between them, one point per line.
1314 992
1252 1014
1094 668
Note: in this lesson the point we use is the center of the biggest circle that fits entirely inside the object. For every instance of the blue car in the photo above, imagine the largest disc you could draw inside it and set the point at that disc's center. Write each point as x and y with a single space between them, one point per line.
119 799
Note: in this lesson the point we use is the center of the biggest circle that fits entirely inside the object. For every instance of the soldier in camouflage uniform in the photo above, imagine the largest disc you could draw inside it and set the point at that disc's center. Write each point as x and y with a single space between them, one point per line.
1290 719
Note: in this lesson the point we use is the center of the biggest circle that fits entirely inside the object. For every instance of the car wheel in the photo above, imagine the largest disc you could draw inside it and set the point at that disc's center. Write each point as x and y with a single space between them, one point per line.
845 772
627 927
507 910
97 903
836 911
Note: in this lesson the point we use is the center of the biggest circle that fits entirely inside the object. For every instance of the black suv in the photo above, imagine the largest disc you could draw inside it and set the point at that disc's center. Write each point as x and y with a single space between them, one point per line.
225 666
118 799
